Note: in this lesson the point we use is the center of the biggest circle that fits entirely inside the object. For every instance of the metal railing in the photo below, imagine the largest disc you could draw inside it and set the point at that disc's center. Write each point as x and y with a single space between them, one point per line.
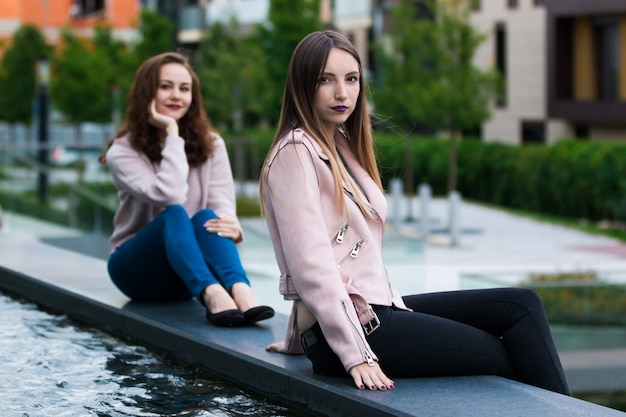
22 169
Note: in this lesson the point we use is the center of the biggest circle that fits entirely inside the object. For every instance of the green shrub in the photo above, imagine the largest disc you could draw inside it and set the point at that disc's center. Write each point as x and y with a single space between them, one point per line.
574 179
248 207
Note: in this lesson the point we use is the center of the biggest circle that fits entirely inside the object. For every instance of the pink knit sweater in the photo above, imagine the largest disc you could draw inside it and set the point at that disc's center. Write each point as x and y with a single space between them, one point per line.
146 188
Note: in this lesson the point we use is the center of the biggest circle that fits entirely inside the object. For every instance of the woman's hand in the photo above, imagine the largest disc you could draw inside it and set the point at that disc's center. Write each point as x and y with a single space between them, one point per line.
371 377
224 226
162 121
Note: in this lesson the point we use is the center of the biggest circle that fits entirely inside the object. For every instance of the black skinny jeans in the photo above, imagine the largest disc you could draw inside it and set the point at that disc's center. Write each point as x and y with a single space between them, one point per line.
502 331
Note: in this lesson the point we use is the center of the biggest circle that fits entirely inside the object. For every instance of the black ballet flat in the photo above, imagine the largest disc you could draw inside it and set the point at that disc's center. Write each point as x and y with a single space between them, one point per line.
259 313
228 318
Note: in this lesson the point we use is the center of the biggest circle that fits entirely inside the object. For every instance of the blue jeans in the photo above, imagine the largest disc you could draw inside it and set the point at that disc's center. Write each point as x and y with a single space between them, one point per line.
174 258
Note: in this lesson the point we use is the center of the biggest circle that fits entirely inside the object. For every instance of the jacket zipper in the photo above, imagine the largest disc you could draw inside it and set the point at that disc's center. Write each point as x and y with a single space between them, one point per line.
353 253
340 235
357 334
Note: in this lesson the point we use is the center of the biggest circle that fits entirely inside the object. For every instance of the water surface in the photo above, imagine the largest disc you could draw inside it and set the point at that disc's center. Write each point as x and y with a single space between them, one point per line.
51 366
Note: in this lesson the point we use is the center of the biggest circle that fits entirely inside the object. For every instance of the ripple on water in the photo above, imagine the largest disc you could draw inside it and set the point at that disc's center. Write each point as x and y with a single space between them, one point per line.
53 367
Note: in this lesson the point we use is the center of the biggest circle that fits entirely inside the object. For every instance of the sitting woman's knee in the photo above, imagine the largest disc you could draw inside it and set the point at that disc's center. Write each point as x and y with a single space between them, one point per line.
204 215
175 209
529 297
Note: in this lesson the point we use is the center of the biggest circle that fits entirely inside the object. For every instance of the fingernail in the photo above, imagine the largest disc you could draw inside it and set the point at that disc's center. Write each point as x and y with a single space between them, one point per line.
392 386
383 388
361 386
373 387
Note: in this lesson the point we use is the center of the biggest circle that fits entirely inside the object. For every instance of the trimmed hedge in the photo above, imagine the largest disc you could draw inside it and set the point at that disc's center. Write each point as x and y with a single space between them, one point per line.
571 178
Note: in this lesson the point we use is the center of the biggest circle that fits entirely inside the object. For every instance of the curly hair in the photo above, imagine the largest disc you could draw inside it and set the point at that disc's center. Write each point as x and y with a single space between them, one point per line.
195 127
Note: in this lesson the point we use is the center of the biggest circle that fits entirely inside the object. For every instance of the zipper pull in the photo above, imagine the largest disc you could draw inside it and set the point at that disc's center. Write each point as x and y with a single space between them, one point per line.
341 234
369 359
356 249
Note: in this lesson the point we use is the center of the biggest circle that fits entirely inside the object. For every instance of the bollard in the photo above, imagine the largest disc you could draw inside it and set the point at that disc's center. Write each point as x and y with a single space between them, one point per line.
425 195
454 200
396 198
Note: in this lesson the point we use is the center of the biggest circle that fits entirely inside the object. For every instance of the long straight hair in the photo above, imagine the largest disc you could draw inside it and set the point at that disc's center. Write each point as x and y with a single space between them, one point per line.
298 111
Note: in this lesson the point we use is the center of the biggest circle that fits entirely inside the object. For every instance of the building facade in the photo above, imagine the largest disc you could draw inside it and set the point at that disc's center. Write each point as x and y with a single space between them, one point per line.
564 65
564 62
51 16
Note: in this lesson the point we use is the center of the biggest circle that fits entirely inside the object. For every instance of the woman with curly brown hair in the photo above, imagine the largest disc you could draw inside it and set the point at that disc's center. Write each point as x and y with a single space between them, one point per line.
176 230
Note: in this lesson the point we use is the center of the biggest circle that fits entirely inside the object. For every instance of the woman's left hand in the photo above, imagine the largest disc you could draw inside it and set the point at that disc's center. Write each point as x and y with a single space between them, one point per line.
224 226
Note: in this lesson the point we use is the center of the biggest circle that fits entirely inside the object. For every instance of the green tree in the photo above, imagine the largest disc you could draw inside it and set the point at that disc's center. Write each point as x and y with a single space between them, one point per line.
80 88
233 84
122 65
428 75
17 74
155 35
278 39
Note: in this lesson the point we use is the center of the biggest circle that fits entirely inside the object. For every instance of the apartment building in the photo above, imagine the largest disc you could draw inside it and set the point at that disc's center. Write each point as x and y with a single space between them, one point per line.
79 15
564 63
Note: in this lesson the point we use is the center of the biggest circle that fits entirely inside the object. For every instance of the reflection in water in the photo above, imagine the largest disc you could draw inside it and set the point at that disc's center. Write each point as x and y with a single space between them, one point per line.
52 367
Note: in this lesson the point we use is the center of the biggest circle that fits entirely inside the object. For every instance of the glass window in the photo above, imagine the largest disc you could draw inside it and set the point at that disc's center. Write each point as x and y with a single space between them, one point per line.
87 8
607 47
501 52
533 131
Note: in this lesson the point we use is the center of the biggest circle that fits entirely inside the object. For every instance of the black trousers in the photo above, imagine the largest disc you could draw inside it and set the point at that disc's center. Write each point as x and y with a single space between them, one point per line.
502 331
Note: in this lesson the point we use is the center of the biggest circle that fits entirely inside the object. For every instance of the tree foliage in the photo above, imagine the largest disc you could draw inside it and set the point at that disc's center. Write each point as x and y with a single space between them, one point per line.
121 62
233 82
81 87
155 35
92 76
17 76
428 75
278 39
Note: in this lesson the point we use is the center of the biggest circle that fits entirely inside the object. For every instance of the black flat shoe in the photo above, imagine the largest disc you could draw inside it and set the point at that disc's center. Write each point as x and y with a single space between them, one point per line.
257 314
228 318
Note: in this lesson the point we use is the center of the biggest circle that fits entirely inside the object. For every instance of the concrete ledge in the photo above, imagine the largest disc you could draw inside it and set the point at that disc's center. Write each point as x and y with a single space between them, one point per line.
78 285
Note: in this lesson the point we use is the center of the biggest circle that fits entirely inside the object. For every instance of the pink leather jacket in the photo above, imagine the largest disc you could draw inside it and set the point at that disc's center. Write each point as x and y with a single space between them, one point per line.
332 262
